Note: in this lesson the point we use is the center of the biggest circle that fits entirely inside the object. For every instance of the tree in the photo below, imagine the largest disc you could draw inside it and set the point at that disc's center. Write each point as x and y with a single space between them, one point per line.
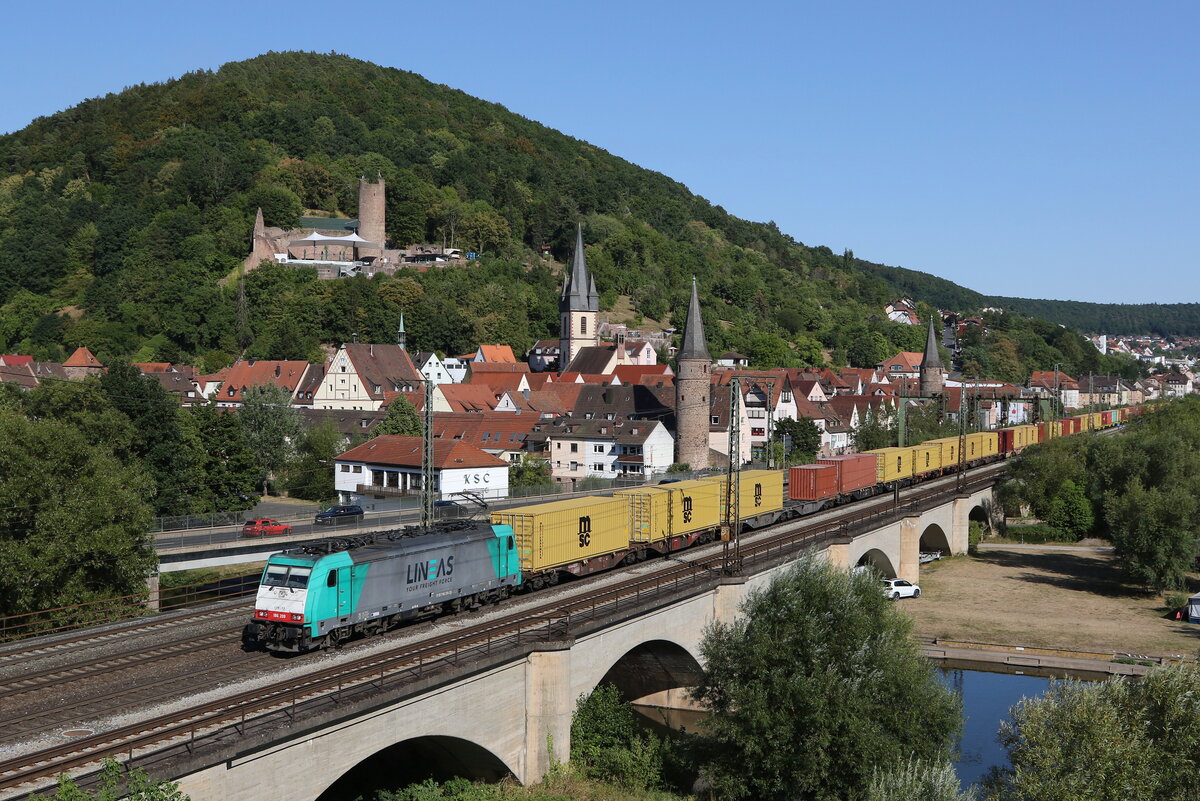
1071 512
73 517
816 682
311 475
529 472
270 426
231 472
158 440
115 784
876 430
916 780
1128 741
401 418
804 436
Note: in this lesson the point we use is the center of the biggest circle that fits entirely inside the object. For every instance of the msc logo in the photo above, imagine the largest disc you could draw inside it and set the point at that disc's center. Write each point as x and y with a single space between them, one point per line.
585 532
687 509
758 494
429 569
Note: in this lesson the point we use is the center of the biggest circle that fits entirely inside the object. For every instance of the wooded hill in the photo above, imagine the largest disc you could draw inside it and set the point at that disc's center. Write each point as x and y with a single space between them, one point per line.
1163 319
123 222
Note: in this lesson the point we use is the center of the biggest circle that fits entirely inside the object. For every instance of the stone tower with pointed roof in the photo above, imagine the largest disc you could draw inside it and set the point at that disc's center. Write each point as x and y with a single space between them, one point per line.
933 379
579 308
692 391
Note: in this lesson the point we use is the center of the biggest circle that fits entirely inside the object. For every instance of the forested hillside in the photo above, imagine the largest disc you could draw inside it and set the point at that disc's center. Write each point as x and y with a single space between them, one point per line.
1164 319
123 222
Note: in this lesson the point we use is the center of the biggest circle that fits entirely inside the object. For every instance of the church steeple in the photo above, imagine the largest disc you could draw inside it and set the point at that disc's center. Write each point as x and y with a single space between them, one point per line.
579 291
932 380
579 307
401 336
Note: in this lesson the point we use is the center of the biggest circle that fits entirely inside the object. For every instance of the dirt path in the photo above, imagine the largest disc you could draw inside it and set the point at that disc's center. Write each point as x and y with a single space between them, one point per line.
1051 597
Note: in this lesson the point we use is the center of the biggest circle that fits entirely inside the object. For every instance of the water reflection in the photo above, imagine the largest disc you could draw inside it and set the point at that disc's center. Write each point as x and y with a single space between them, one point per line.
987 697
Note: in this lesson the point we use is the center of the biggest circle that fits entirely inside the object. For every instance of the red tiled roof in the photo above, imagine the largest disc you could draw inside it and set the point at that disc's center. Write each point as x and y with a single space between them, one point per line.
539 380
499 383
398 451
908 360
245 374
14 360
82 357
486 430
468 397
416 398
388 367
153 367
497 353
633 373
497 367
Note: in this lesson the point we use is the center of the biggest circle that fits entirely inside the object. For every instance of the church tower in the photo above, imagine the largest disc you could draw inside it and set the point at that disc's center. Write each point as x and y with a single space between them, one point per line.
692 391
579 308
401 335
933 380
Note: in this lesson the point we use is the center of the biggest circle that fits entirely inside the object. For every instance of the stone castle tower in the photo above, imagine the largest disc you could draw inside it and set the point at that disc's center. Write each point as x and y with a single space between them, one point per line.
933 380
371 200
692 391
579 308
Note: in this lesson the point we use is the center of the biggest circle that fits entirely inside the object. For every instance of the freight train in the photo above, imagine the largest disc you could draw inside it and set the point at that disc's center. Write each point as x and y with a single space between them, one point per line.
321 595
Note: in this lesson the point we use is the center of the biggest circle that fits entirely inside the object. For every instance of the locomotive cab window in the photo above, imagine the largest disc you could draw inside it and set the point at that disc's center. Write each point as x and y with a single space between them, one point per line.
284 576
298 577
332 580
510 543
275 576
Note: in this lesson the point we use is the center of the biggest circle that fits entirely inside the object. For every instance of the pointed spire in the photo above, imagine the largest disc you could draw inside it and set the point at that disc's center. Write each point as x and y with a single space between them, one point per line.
579 290
401 336
931 358
694 346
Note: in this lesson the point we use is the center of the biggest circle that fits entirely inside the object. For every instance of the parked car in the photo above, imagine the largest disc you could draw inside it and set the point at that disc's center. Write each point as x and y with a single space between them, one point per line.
265 527
340 514
899 588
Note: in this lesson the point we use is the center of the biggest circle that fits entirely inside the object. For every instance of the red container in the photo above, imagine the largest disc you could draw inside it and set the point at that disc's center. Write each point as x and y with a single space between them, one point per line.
1006 439
1041 435
812 482
1106 418
854 470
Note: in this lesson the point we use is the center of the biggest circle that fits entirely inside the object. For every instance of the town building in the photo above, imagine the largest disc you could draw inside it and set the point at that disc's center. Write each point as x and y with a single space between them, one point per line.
598 448
693 391
390 466
359 375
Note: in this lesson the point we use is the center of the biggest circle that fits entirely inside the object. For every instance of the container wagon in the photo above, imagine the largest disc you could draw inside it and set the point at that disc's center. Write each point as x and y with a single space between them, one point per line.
673 516
577 536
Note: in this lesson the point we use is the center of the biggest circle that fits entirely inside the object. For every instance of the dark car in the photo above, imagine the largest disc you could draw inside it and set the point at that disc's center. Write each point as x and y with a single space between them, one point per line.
340 514
265 527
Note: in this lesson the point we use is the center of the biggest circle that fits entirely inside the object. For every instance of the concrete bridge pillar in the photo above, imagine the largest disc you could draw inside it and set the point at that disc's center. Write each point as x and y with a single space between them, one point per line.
728 597
909 567
961 514
838 554
153 599
548 710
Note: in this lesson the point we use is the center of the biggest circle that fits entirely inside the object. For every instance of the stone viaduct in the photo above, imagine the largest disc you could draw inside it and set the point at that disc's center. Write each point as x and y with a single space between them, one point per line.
515 717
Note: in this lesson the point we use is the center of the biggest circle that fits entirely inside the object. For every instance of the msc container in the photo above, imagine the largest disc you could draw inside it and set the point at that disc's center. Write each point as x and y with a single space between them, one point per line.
672 509
812 482
892 464
551 535
926 458
760 491
854 470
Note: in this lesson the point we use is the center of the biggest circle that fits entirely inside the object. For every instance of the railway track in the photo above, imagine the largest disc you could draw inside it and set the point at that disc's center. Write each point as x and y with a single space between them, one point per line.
23 651
552 618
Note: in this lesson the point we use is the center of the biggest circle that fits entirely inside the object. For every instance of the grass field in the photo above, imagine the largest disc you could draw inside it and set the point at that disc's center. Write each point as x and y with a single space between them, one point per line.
1056 597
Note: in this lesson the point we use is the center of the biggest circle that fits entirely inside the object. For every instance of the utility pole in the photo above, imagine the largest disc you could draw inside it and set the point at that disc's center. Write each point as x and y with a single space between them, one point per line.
731 556
962 431
427 470
770 424
901 412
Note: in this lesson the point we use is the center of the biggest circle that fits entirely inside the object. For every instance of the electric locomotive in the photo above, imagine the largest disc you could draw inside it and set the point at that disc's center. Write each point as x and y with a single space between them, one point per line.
322 594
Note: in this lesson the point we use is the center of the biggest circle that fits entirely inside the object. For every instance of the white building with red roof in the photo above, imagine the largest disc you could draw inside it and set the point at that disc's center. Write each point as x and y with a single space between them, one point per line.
390 466
359 375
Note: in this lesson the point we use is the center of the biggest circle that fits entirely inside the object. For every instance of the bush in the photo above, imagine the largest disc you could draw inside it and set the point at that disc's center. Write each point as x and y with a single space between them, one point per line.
1039 533
974 537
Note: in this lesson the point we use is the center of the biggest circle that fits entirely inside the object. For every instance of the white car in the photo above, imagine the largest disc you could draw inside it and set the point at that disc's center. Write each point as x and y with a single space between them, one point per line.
899 588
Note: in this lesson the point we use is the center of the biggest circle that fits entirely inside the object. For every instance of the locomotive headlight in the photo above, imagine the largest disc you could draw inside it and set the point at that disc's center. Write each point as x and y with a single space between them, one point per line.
297 618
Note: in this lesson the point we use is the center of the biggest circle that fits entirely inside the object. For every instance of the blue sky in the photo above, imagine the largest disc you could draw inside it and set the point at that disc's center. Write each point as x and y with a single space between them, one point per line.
1039 149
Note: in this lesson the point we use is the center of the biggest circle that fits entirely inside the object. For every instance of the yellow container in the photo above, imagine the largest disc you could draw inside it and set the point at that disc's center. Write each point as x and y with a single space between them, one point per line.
1085 422
949 449
926 458
760 491
671 509
1097 420
556 534
982 444
893 463
1024 436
